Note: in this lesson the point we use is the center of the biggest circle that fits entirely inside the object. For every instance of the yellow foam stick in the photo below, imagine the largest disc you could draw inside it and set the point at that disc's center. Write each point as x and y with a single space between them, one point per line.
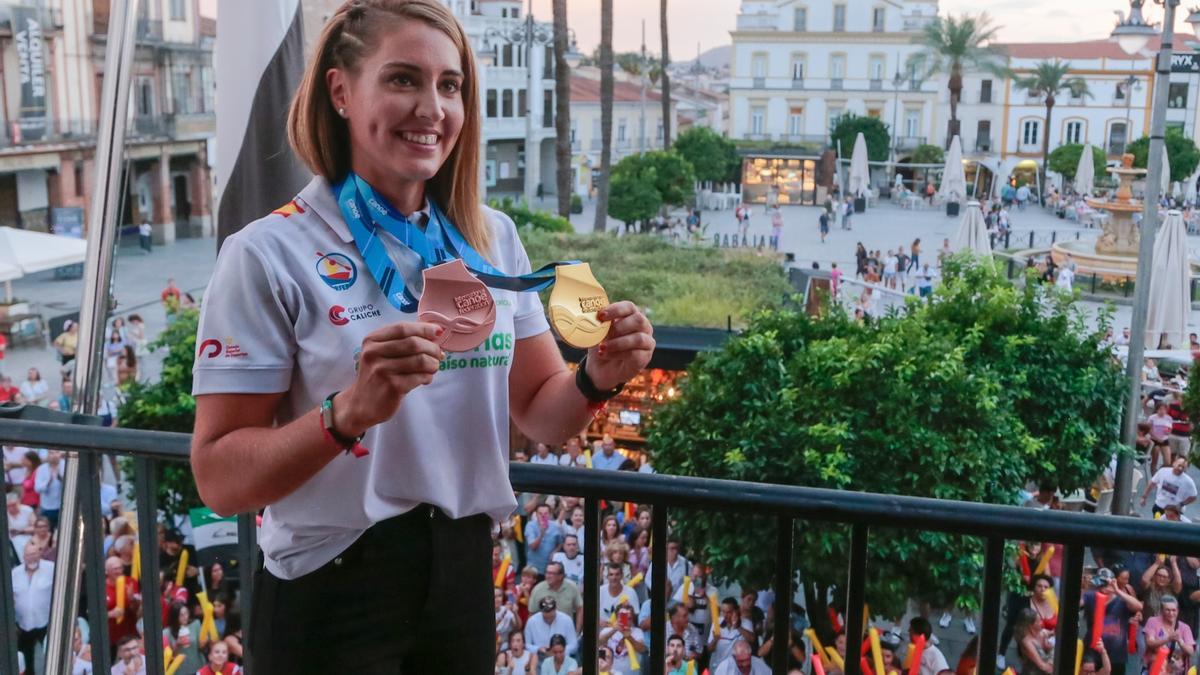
1052 598
1192 670
1078 655
1045 560
816 642
209 625
877 651
713 612
121 597
168 654
183 561
1009 671
137 561
502 573
637 579
691 668
178 661
518 531
836 658
633 659
587 457
908 657
687 586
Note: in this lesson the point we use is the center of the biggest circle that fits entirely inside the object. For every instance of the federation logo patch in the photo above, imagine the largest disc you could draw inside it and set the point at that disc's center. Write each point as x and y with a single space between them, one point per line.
212 348
338 271
290 209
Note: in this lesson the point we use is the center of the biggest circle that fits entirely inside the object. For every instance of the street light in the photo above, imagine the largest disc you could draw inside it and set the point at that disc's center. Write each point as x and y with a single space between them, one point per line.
528 35
897 81
1132 33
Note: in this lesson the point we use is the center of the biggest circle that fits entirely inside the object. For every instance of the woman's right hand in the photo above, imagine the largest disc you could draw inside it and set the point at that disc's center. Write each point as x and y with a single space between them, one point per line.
394 360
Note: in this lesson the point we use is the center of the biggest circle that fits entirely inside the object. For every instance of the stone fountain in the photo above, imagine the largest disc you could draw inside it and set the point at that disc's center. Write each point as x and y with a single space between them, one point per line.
1114 254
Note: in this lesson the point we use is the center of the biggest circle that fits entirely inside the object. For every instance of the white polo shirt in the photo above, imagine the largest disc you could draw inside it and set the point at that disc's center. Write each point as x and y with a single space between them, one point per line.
287 309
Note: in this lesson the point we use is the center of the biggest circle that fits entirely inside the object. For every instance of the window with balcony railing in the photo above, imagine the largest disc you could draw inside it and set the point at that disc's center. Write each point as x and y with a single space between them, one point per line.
985 91
877 19
836 83
876 85
839 18
800 20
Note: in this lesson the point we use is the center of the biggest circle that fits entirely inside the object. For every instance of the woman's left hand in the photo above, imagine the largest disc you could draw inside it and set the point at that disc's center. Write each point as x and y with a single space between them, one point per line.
625 351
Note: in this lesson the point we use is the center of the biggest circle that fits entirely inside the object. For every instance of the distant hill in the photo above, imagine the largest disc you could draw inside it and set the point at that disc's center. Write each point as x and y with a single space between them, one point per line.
717 57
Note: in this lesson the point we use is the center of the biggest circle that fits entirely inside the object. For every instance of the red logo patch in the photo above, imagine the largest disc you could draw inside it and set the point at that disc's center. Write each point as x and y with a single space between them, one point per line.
337 316
211 348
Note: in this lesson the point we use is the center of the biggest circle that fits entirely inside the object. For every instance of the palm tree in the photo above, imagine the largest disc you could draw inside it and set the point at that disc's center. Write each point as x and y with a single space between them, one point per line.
1048 79
606 113
562 110
666 80
952 44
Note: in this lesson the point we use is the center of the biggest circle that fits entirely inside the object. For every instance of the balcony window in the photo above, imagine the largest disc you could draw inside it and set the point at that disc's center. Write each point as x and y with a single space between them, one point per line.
758 65
621 130
800 20
796 122
912 123
797 69
178 10
1177 95
837 66
1116 138
1029 132
839 18
876 67
522 103
985 91
506 104
835 116
491 103
757 120
547 108
1074 132
877 19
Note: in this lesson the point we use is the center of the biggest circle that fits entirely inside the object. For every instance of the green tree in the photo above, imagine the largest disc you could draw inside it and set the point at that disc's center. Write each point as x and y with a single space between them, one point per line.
1182 154
643 183
1065 160
712 156
873 130
167 405
523 216
1048 80
633 197
950 45
967 397
928 154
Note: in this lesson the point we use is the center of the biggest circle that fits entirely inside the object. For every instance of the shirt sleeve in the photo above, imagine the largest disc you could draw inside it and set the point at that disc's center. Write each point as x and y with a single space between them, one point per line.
246 341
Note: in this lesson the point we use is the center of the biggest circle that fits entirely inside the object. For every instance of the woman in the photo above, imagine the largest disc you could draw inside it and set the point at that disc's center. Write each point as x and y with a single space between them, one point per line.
516 660
351 540
113 349
639 551
43 537
218 584
1161 579
610 533
1040 603
915 261
575 525
182 635
218 661
506 620
127 365
1036 650
860 261
558 662
34 389
29 494
136 333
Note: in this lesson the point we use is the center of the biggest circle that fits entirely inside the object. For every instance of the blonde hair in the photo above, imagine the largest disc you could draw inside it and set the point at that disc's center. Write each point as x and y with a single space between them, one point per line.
321 138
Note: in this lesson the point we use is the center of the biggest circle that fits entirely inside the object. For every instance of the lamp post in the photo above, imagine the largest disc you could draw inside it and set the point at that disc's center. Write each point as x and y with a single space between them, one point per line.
1133 35
897 81
527 36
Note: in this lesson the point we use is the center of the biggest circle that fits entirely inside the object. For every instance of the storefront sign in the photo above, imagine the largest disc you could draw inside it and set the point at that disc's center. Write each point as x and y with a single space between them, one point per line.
31 65
1185 63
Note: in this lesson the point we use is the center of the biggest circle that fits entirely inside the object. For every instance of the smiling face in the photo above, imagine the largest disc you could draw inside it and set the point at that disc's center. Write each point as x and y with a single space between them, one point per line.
404 105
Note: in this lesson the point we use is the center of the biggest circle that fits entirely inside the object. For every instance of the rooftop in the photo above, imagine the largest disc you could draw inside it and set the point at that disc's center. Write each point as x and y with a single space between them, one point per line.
587 90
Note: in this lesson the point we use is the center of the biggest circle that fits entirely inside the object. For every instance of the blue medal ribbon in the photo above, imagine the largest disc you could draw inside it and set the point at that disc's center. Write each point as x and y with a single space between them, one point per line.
365 212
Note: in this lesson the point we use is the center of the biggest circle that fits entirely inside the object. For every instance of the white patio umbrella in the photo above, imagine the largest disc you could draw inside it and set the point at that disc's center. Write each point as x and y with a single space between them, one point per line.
1085 173
860 173
1189 187
954 179
1170 285
26 252
972 232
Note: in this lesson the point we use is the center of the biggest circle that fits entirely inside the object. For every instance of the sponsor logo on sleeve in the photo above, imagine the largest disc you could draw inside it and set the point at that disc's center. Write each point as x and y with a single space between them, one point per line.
338 271
212 348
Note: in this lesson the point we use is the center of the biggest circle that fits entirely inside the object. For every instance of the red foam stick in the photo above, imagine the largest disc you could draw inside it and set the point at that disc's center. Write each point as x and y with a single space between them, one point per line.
1160 659
818 668
918 650
1133 632
866 666
835 621
1025 564
1098 620
866 648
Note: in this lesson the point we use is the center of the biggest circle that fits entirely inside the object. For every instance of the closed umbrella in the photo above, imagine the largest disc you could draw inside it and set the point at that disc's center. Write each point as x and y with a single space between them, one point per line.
1085 173
860 172
972 232
1170 290
954 179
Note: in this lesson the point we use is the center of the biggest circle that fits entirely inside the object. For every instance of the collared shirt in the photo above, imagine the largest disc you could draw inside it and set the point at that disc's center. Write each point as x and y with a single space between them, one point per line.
49 485
287 309
602 461
538 632
31 595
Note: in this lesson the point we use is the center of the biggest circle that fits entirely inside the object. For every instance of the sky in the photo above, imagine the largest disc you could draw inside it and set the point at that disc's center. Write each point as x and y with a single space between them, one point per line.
708 22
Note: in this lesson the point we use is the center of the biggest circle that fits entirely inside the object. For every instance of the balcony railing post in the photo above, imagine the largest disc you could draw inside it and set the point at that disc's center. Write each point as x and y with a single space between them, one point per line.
783 593
993 576
8 631
247 564
1068 620
856 597
145 487
658 595
93 556
591 585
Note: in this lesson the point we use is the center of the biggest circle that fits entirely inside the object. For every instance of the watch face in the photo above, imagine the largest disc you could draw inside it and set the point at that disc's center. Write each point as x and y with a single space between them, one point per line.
458 302
576 298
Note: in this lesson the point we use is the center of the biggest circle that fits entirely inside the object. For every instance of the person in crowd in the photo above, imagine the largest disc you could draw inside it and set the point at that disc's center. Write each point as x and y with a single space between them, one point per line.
29 495
508 583
506 618
34 389
1160 432
614 592
823 224
1034 644
610 532
10 393
678 662
642 519
621 635
914 261
564 592
742 662
547 623
135 333
1039 601
776 228
542 538
573 454
679 626
48 483
218 584
542 455
1119 610
122 623
67 341
608 458
32 583
113 349
524 590
127 365
557 662
933 661
81 650
218 661
732 627
517 660
171 556
44 537
639 551
678 566
1161 579
617 553
604 661
20 521
1165 628
750 610
182 634
129 659
570 558
1095 662
1172 486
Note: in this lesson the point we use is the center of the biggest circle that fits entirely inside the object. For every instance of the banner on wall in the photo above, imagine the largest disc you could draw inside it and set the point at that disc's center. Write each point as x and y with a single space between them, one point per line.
31 67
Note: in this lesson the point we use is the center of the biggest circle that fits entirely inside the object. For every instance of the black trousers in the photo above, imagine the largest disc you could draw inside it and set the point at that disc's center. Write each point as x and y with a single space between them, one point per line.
412 596
27 642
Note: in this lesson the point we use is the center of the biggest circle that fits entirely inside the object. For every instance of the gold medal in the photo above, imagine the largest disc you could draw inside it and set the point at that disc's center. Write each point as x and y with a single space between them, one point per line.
576 298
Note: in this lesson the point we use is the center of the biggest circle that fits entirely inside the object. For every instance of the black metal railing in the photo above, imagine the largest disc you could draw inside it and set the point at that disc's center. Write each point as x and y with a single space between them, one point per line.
863 512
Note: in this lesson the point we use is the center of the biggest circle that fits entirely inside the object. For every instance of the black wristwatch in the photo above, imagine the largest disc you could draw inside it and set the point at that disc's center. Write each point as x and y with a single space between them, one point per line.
588 388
